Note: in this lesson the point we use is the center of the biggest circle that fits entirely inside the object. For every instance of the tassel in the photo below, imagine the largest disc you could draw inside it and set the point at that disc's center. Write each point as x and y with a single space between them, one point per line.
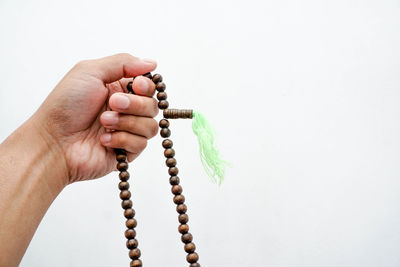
209 154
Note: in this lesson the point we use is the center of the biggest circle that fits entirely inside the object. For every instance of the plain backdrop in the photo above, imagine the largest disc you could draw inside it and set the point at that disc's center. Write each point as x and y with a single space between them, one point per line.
305 99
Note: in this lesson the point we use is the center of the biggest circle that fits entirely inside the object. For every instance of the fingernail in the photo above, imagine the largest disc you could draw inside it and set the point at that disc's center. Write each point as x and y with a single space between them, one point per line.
105 138
149 61
110 118
121 101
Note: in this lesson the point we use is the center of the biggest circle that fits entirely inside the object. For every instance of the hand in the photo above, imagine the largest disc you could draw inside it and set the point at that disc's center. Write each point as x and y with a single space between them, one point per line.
91 98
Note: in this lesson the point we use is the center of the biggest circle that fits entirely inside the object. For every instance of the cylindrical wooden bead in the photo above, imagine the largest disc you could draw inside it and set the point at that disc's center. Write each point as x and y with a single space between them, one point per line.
132 243
183 218
179 199
121 157
181 208
183 229
123 185
122 166
160 87
163 123
134 254
169 153
126 204
136 263
162 96
165 132
129 213
125 194
124 176
178 113
157 78
170 162
130 233
167 143
174 180
192 257
176 189
190 247
187 238
163 104
131 223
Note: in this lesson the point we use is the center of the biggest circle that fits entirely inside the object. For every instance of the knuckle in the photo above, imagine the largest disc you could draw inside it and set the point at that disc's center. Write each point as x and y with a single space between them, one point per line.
155 107
154 128
142 144
121 139
83 64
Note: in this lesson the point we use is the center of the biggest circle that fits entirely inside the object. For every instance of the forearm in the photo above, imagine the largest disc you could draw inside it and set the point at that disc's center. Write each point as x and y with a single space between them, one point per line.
31 176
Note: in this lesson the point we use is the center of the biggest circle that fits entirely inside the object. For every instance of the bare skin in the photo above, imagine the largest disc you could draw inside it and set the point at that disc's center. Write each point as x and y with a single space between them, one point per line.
71 138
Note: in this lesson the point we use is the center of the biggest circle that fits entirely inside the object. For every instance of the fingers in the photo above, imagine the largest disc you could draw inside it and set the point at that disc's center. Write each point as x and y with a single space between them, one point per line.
134 105
142 126
113 68
132 143
141 85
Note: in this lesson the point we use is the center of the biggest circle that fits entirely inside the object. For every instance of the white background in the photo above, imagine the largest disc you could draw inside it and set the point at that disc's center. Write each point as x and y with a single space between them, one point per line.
305 98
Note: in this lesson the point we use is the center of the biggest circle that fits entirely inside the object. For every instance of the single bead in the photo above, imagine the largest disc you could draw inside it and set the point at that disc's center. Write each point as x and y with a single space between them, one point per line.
163 123
119 151
123 185
170 162
121 157
181 208
183 229
126 204
131 223
130 234
169 153
179 199
167 143
157 78
148 75
124 176
129 87
160 87
129 213
183 218
122 166
195 265
165 132
136 263
187 238
125 194
134 254
162 96
174 180
176 189
190 247
132 243
173 171
163 104
192 257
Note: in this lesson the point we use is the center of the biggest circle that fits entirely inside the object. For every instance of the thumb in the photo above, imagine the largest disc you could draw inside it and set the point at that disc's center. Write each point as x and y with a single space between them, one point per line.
113 68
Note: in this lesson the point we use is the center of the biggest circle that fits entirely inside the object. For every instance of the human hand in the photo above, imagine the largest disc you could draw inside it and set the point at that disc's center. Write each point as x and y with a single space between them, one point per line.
91 98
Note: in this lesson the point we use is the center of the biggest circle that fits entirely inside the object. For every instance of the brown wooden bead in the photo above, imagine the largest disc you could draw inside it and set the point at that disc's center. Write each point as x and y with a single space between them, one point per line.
187 238
148 75
123 185
167 143
122 166
132 243
163 123
169 153
183 218
192 257
174 180
124 176
162 96
176 189
170 162
165 132
129 213
163 104
179 199
131 223
126 204
136 263
134 254
160 87
121 157
157 78
183 228
195 265
181 208
190 247
130 234
129 87
173 171
125 194
119 151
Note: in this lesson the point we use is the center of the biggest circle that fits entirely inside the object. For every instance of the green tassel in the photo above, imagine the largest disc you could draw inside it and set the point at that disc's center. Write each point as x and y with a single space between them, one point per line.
209 154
